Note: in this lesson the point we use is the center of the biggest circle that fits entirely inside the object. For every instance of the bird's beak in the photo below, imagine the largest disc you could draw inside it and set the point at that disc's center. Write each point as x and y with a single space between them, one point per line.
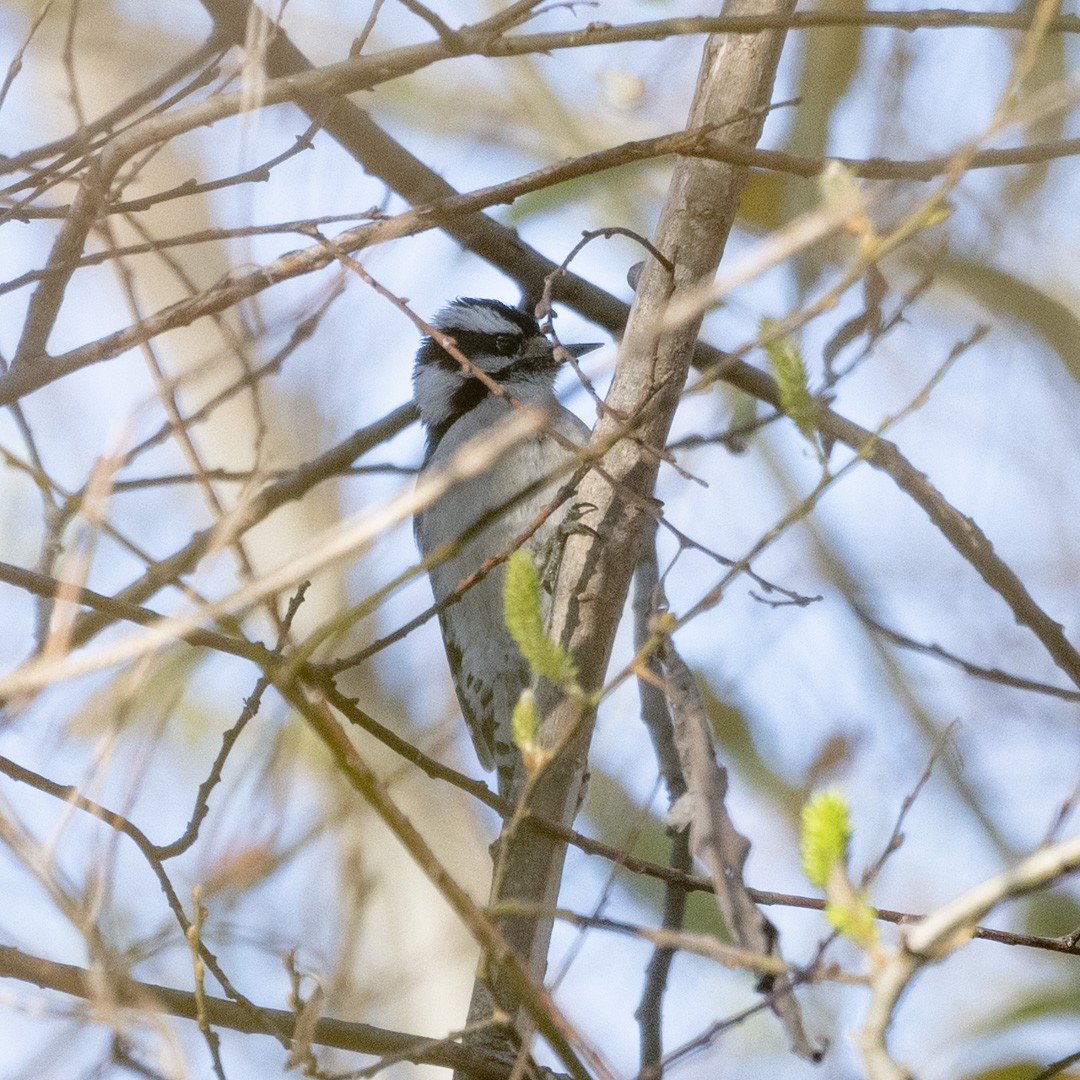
580 350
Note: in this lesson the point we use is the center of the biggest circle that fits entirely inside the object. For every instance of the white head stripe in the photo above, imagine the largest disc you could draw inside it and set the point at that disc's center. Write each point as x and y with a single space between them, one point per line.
475 318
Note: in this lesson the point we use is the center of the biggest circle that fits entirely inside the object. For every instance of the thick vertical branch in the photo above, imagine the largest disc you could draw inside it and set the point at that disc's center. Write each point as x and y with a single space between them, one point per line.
733 88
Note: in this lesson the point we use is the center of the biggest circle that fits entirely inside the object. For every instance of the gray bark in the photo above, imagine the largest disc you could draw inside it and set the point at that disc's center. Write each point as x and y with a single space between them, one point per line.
733 89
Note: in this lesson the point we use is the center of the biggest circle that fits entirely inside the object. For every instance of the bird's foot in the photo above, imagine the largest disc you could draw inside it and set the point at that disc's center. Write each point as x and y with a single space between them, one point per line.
552 553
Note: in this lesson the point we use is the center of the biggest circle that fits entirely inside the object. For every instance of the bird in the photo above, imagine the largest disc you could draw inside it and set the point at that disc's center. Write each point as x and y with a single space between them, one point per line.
487 668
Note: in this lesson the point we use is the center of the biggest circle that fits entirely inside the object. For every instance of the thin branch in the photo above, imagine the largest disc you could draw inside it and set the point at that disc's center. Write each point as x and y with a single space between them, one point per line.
994 675
257 174
228 741
449 37
81 140
896 837
661 29
649 1013
246 476
707 945
936 935
295 484
564 1039
350 709
71 796
1056 1068
259 1020
346 540
15 67
116 610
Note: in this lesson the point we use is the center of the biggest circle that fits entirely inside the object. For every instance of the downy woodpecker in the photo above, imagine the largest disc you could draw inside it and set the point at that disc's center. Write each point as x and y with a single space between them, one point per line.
488 669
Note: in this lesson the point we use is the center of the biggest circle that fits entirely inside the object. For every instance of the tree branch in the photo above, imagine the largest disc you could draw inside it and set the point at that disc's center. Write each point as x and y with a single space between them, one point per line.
936 935
594 576
278 1023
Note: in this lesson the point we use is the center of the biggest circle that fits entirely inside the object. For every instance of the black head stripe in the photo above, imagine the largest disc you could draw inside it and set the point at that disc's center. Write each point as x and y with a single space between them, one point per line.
523 365
489 332
479 328
464 399
469 342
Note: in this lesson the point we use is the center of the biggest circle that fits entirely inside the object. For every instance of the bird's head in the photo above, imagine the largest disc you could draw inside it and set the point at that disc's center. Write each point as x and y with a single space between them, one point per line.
501 341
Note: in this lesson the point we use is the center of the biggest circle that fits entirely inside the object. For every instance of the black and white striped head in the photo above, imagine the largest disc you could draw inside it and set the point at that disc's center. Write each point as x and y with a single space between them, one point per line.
500 340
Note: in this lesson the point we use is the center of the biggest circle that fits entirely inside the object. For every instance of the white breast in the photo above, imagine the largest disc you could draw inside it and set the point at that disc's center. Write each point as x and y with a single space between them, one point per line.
486 664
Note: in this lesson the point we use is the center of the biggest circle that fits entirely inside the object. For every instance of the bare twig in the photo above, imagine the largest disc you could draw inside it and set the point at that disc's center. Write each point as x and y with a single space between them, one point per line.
352 536
279 1023
936 935
715 840
647 384
564 1039
292 486
994 675
228 741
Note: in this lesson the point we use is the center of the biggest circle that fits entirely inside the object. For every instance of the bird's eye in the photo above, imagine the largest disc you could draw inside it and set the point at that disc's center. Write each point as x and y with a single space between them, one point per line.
505 344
